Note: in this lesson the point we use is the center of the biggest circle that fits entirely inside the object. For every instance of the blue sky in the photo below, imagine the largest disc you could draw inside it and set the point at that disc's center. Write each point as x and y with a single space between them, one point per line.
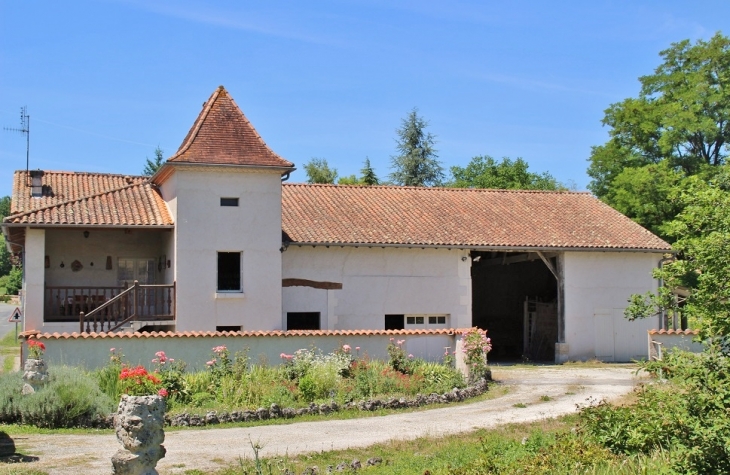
105 82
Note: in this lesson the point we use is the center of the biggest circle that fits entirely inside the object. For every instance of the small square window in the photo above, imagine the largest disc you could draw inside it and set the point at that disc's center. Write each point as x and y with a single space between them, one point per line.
411 320
419 320
442 320
229 201
229 272
432 320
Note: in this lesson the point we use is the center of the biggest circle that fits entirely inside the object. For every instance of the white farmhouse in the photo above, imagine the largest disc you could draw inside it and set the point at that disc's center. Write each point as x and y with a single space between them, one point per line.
216 241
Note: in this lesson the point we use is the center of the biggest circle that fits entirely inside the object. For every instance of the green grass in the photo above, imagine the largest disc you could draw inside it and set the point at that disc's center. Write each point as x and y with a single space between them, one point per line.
9 349
445 455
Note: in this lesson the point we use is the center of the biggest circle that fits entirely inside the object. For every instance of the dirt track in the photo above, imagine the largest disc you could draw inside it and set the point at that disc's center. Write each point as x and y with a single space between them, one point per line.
206 450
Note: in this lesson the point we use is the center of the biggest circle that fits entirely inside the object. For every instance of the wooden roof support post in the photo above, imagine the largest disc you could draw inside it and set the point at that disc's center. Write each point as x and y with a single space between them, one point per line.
556 273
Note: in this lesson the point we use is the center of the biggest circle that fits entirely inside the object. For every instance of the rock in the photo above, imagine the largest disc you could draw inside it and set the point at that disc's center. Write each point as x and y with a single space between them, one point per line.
211 418
224 417
373 461
288 413
196 421
236 416
341 467
303 411
262 413
274 411
355 464
139 427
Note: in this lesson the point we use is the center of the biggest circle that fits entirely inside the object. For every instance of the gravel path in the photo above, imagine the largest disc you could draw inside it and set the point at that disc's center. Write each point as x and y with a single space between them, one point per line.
207 450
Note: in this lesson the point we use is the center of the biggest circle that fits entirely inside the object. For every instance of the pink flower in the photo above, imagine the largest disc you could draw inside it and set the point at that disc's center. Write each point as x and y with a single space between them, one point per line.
211 362
155 360
219 349
112 349
346 348
357 348
410 356
392 339
400 342
283 356
170 360
162 392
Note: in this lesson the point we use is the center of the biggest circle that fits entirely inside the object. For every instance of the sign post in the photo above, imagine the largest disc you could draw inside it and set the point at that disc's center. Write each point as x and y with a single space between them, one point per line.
16 317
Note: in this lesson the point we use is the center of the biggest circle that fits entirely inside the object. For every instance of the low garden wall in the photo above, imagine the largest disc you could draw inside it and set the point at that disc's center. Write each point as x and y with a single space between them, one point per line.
669 339
92 350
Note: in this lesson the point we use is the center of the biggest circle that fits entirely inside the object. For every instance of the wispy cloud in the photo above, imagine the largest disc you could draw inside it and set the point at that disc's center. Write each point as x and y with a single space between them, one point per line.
236 20
532 84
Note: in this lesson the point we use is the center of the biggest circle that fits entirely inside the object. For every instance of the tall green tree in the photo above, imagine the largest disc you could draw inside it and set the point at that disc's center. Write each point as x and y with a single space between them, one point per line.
702 248
678 126
486 172
319 171
4 207
416 163
368 174
152 166
5 263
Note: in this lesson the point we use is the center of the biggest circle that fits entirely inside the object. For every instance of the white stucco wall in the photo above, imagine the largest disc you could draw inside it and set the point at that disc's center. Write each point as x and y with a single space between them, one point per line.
204 227
376 282
68 245
597 286
34 270
195 351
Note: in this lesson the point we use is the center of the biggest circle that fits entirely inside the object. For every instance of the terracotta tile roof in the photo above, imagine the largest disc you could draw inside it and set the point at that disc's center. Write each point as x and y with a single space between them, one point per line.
275 333
674 332
223 135
89 199
61 187
337 214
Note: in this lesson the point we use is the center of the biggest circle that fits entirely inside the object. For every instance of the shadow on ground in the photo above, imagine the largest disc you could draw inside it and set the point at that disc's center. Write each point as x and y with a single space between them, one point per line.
8 454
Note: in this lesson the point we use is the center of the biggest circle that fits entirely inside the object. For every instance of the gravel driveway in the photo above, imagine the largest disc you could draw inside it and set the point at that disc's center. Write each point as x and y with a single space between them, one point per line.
566 386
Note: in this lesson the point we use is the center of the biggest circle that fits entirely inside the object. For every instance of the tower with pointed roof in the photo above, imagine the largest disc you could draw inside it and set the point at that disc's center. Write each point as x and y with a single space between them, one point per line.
223 189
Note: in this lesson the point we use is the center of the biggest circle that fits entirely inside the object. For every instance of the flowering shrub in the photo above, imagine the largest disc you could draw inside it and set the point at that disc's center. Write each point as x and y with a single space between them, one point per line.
220 365
476 347
36 349
138 382
171 374
397 357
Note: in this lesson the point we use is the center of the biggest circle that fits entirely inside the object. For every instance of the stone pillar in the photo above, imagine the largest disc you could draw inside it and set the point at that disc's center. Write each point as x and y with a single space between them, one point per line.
139 426
35 375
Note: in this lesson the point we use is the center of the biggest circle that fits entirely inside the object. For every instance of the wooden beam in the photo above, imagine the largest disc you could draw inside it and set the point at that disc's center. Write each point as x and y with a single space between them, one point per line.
549 265
311 283
529 256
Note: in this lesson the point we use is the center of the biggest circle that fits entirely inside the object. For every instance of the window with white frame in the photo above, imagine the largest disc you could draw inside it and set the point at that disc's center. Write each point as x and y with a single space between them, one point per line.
426 321
229 272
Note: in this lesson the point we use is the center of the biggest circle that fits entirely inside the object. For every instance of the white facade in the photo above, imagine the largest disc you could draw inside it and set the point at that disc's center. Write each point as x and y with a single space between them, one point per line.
203 228
376 282
597 286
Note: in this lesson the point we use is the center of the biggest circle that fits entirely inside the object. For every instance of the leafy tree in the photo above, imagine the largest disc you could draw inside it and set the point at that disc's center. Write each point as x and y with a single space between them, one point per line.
4 207
416 164
681 120
349 180
15 281
368 174
318 171
152 166
702 245
485 172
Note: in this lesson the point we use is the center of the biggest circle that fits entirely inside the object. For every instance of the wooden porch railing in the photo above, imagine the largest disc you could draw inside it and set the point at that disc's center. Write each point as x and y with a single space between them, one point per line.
108 308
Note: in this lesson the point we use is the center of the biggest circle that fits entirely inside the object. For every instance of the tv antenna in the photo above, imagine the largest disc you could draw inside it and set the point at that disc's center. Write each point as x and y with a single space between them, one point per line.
24 129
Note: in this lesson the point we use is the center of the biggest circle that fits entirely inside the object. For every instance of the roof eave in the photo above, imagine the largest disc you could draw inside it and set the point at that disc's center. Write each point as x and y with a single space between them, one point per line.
90 225
482 248
272 168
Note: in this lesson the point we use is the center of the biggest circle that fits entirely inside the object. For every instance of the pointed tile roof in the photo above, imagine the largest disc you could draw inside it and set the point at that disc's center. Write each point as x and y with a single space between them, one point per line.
222 135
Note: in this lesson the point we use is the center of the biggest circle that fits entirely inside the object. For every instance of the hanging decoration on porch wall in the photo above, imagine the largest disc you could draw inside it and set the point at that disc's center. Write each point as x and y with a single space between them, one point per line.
76 266
108 262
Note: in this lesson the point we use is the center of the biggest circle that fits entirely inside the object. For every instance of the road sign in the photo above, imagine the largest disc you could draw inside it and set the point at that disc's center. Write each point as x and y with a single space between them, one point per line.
16 316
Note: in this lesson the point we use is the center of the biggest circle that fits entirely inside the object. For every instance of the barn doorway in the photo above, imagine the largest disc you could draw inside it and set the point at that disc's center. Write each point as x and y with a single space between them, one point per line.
515 298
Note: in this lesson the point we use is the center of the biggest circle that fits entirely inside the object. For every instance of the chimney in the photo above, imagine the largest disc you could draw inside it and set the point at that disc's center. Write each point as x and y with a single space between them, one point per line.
36 183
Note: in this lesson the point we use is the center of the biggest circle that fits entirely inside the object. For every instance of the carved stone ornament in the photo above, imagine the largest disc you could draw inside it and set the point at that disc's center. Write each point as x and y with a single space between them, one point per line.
139 426
76 266
35 375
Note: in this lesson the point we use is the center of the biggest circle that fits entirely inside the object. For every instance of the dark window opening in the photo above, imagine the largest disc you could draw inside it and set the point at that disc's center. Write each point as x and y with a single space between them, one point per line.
229 201
228 328
394 322
302 321
229 272
442 320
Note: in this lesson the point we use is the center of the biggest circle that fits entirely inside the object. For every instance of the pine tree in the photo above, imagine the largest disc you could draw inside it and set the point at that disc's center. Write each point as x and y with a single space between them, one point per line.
152 166
368 174
417 164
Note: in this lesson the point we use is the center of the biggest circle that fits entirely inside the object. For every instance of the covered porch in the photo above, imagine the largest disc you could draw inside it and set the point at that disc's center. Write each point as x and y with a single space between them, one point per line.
108 279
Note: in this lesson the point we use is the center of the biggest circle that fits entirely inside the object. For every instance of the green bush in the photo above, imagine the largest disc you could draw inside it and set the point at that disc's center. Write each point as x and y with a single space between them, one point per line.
70 399
689 416
15 281
10 386
439 378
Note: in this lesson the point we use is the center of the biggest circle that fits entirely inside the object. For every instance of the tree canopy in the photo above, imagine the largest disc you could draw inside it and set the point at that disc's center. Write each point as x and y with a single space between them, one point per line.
701 231
486 172
319 171
152 166
368 174
678 126
416 163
